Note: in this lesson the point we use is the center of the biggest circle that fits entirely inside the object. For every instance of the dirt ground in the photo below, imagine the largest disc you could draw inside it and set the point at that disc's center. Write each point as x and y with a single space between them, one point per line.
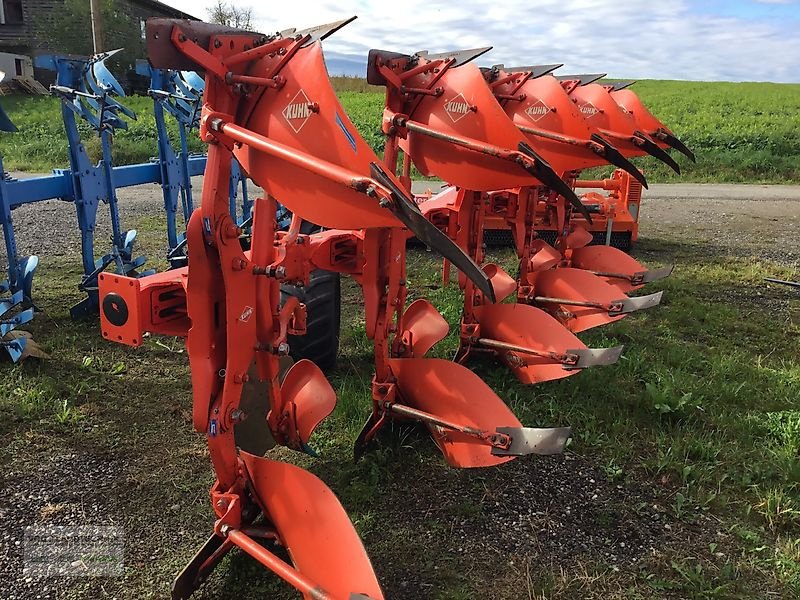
761 221
725 220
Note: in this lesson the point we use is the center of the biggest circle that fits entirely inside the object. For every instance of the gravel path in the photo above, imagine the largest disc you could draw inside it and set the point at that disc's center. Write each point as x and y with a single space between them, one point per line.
50 228
762 221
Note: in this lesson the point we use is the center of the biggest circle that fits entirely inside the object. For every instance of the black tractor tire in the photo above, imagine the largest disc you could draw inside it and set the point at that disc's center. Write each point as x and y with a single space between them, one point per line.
322 297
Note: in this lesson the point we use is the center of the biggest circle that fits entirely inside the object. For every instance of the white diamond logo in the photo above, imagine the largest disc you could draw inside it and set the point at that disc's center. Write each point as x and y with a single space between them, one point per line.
588 109
537 110
297 111
457 108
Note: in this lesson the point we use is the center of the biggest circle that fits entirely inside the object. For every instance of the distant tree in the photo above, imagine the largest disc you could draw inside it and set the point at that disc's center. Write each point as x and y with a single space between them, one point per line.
69 31
232 15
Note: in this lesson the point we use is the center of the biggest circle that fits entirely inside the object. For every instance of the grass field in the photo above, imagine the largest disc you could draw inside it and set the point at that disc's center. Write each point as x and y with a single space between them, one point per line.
740 132
691 444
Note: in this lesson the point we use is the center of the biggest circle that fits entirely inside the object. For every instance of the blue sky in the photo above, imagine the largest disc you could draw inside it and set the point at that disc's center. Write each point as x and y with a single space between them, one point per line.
716 40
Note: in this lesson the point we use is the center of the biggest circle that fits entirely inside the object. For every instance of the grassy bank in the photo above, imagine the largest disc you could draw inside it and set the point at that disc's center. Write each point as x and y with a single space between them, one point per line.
740 132
682 480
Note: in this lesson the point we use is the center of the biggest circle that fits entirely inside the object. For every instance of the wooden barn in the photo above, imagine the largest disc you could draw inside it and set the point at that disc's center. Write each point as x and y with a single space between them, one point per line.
33 27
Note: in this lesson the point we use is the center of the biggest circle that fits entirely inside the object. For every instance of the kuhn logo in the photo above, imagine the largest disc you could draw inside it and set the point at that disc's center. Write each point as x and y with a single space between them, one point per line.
588 109
297 111
457 108
537 111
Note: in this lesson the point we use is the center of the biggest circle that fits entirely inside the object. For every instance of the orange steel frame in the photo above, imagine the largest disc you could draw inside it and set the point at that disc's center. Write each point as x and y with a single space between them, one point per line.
465 226
617 211
227 301
233 296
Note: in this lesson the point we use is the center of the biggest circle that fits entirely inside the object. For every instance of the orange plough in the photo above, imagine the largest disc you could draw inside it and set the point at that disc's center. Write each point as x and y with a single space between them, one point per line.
620 126
545 108
445 114
564 133
268 103
646 121
435 127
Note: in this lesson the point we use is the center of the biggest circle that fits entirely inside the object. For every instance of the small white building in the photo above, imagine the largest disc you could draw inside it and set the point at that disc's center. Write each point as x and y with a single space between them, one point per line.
15 65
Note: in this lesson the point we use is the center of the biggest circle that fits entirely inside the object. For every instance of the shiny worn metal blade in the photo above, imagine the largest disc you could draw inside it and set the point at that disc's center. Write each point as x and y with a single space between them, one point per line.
362 444
253 434
320 32
545 173
656 274
535 70
630 305
584 79
461 56
615 157
618 85
594 357
202 563
534 440
409 214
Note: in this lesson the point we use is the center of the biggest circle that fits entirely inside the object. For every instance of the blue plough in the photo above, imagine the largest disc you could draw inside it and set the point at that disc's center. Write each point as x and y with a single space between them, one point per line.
89 92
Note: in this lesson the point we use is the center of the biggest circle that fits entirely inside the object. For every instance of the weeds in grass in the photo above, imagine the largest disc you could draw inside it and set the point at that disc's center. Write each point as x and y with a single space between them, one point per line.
667 401
779 508
66 414
699 583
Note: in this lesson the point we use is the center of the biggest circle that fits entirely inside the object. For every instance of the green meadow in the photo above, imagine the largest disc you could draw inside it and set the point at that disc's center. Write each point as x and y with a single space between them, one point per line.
740 132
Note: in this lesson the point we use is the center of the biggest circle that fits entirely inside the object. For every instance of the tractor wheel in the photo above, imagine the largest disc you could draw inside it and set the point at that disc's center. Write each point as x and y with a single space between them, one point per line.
322 298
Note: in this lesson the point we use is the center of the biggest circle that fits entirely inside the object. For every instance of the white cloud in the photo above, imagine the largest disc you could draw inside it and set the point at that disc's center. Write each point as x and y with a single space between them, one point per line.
634 39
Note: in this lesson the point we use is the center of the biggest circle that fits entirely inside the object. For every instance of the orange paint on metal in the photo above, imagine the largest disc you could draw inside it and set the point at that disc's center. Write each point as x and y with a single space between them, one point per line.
533 328
578 285
306 115
600 109
547 108
504 284
542 257
424 326
307 388
579 238
465 108
604 259
313 527
454 393
131 306
645 120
